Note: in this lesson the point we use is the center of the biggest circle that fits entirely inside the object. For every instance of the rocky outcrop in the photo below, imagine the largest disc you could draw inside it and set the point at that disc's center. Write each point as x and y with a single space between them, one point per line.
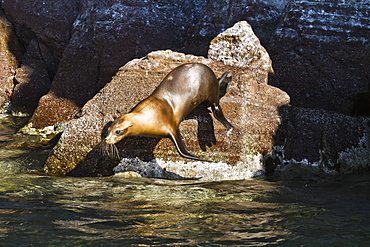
321 55
10 49
238 46
44 29
74 47
323 140
250 104
319 49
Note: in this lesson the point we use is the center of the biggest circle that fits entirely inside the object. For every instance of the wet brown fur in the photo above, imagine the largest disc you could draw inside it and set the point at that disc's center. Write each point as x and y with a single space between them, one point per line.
178 94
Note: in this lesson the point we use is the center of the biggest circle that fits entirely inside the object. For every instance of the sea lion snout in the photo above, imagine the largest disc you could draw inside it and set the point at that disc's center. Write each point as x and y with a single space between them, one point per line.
118 130
114 136
108 141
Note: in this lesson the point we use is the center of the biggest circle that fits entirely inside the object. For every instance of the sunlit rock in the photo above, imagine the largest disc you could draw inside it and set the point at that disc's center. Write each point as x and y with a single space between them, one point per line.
251 106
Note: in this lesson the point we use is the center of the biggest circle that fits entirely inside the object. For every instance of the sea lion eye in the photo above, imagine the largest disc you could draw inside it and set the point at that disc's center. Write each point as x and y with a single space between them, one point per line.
118 132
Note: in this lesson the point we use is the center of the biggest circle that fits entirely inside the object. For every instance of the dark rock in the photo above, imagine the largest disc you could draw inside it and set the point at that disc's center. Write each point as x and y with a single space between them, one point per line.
10 49
326 140
44 27
105 36
31 81
47 22
218 15
361 104
321 53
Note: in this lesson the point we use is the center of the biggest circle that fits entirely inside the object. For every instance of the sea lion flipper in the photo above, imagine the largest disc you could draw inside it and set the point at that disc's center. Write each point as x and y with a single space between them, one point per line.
182 149
217 112
224 82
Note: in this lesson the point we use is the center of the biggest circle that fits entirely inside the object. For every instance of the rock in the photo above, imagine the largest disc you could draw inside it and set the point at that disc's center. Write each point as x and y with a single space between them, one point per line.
31 81
328 141
321 54
239 46
44 28
218 15
10 48
95 38
252 107
105 36
49 23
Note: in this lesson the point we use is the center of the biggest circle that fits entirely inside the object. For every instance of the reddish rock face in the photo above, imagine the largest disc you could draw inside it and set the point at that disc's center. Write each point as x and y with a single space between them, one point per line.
10 48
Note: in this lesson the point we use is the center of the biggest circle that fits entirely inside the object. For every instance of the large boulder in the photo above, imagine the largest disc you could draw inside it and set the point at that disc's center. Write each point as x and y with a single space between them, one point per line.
250 105
321 55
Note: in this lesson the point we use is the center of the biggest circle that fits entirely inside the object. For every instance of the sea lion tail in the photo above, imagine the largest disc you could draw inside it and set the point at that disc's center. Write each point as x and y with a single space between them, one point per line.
224 82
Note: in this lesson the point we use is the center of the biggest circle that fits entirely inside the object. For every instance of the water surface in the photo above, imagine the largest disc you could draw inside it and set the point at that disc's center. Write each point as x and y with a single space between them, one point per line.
38 210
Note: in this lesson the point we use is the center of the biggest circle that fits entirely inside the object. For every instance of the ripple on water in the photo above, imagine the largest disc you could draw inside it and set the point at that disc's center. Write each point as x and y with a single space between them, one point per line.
111 211
114 210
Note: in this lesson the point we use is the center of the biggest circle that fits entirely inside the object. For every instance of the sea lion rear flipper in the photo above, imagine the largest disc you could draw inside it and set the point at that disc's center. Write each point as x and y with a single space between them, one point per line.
182 149
224 82
217 112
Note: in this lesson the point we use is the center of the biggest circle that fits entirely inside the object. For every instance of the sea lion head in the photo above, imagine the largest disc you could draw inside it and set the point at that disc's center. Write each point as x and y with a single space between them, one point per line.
119 129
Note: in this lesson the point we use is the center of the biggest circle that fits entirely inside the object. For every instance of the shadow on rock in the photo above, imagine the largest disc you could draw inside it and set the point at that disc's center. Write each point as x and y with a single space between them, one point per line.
205 131
310 144
96 163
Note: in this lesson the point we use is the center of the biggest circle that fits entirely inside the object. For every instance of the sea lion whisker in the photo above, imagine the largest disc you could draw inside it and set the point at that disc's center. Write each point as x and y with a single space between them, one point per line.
108 150
115 152
101 148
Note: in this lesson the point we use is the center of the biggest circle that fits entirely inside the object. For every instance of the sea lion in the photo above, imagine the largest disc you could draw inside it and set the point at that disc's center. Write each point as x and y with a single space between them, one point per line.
159 115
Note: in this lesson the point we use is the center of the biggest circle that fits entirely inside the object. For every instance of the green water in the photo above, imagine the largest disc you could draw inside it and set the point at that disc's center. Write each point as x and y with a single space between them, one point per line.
38 210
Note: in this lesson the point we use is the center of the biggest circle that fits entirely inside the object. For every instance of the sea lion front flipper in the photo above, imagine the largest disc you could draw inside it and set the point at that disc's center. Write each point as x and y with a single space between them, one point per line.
182 149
